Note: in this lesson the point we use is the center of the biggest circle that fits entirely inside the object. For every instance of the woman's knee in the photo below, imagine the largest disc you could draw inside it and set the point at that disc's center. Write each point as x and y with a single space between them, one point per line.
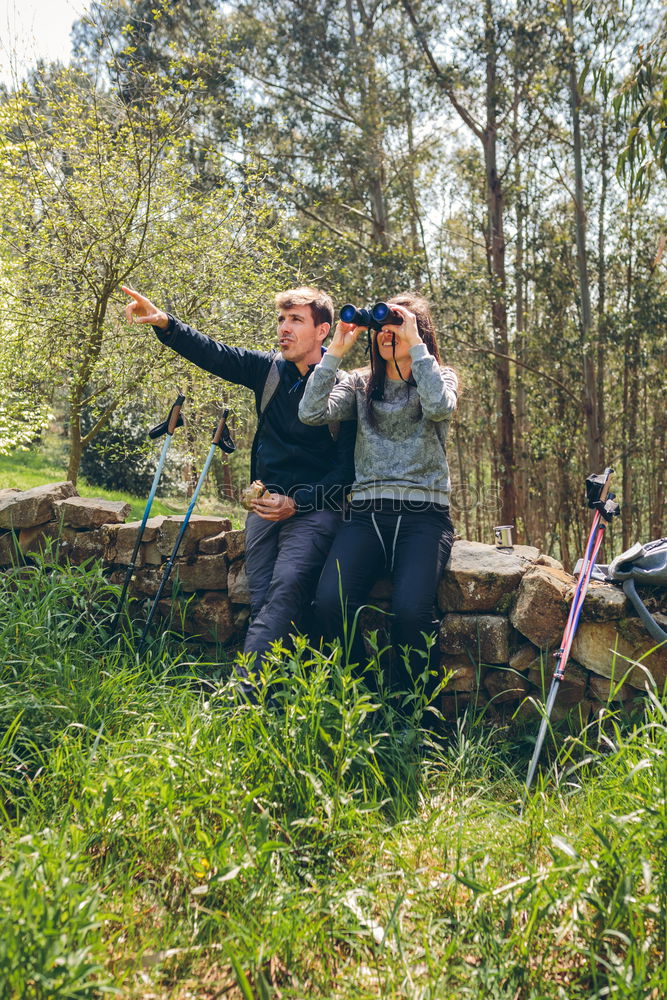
409 623
329 601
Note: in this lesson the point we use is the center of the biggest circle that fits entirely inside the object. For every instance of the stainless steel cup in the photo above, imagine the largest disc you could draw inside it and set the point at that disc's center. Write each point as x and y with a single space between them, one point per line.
503 536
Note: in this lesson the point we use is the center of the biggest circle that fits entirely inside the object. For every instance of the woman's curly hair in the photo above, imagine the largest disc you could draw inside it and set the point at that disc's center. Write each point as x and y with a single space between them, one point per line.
378 368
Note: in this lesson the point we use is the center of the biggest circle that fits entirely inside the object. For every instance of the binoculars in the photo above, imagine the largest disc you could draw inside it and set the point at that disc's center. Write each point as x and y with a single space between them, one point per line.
374 319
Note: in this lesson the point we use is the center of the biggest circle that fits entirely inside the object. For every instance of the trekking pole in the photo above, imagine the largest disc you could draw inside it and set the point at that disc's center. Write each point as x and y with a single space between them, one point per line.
168 426
602 502
221 439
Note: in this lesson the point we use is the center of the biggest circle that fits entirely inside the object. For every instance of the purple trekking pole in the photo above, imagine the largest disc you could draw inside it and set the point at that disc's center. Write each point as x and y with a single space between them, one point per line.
602 502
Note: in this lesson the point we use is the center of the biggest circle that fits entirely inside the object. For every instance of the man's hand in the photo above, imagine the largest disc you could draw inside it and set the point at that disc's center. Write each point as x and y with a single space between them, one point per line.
274 507
142 310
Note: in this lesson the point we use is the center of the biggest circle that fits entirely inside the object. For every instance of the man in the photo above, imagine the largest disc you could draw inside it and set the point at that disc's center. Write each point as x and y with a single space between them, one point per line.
305 469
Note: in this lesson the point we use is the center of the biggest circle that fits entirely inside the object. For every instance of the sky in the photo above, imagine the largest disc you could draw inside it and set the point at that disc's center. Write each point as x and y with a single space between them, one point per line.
34 29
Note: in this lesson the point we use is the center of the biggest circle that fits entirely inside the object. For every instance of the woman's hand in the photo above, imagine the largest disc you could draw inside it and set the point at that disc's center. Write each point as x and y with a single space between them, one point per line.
344 339
407 331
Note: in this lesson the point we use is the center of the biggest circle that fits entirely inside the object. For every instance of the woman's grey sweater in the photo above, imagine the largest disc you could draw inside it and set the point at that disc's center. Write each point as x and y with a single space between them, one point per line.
404 457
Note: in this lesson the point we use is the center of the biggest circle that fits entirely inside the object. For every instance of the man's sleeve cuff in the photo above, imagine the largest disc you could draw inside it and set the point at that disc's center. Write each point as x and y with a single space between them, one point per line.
164 334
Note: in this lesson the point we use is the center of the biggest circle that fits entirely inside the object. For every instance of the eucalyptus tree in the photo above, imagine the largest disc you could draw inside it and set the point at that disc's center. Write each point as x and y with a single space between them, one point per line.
640 102
484 60
131 43
335 109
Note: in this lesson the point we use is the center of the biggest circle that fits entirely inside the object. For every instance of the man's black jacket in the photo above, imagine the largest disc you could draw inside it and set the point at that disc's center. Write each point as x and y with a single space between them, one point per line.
288 456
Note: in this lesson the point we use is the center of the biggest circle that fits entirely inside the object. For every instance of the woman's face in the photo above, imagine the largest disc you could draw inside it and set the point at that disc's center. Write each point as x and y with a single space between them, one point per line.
391 343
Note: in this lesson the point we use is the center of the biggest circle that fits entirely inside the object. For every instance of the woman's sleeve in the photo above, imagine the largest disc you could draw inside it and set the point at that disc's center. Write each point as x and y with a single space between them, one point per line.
325 399
437 387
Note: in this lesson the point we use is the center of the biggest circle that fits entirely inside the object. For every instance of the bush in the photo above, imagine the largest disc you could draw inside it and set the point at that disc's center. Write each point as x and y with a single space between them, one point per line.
123 457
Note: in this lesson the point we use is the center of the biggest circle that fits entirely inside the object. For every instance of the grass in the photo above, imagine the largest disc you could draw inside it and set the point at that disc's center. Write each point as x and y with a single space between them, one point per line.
162 840
47 463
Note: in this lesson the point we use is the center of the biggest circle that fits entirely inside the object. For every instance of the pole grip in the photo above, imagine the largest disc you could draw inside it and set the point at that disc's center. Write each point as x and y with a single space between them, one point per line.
608 473
174 420
220 429
175 413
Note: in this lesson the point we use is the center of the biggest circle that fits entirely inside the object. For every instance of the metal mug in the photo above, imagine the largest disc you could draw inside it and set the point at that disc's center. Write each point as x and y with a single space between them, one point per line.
503 536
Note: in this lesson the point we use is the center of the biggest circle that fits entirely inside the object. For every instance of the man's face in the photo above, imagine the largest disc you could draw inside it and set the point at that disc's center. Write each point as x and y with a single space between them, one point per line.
299 339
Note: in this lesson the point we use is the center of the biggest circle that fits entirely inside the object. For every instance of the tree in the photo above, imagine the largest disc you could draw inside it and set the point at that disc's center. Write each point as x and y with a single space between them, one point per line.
344 130
591 398
641 104
95 192
483 99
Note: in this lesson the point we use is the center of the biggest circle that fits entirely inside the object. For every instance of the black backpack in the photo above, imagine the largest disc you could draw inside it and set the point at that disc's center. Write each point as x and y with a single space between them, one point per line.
269 390
271 387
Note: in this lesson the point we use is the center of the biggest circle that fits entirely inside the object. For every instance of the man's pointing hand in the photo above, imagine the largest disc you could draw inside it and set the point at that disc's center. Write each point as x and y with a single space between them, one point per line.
142 310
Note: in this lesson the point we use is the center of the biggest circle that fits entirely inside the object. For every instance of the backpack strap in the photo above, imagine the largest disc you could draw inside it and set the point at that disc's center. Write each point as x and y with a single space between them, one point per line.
648 621
270 389
270 386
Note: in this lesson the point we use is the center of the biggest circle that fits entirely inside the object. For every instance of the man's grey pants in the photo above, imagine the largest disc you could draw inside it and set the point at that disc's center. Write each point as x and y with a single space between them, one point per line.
283 562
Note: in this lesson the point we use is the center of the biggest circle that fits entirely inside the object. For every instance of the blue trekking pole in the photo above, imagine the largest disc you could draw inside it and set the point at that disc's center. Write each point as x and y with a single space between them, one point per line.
602 502
221 439
167 427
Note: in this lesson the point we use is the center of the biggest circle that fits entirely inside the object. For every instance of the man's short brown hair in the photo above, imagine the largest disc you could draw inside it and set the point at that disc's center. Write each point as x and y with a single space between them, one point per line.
321 305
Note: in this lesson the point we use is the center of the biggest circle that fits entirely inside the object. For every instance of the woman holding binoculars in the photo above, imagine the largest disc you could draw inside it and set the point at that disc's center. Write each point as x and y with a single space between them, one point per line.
398 520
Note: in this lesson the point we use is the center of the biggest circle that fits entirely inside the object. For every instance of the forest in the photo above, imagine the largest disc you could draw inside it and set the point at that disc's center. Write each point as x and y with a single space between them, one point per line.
506 159
164 837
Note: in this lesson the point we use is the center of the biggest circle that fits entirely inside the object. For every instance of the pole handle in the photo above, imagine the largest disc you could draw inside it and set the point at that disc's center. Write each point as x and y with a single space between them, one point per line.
220 429
599 497
608 474
221 436
174 420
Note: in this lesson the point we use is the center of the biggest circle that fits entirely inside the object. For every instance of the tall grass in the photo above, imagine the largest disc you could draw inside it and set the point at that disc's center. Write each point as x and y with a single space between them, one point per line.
163 838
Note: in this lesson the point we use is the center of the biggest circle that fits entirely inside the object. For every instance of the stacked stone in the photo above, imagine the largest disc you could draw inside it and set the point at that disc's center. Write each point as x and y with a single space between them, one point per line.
504 616
54 515
503 612
78 528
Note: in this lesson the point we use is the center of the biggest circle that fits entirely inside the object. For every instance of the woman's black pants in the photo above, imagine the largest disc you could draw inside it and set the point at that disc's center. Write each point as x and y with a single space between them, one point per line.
413 546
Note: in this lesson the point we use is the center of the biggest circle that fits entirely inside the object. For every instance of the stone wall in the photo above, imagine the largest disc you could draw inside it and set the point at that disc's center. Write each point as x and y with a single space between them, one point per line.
503 612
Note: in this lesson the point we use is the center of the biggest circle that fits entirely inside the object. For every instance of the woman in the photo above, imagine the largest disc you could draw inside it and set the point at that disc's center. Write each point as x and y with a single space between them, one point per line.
399 512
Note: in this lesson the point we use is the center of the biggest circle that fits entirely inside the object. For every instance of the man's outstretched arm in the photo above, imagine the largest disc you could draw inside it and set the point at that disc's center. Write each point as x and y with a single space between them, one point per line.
234 364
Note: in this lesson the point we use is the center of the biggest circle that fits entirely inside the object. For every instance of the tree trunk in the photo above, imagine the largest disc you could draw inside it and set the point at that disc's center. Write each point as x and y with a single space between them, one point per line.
496 249
593 441
522 458
373 128
630 409
464 490
91 354
602 287
75 448
657 479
